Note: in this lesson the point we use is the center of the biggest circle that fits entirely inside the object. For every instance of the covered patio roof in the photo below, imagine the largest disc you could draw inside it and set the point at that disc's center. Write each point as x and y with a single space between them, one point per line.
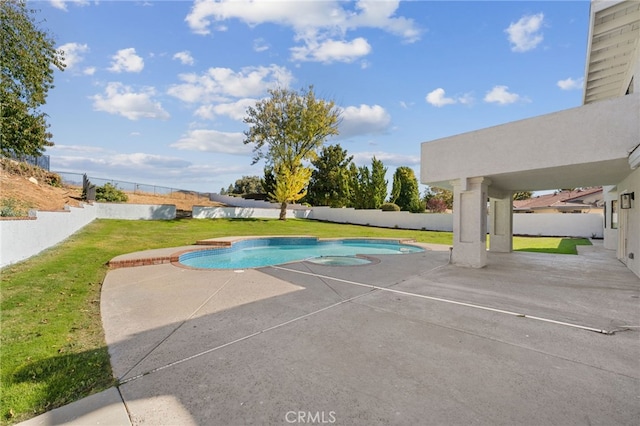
583 146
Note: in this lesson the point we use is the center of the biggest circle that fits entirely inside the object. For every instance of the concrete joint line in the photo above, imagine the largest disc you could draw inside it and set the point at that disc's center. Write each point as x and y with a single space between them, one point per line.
241 339
183 322
453 302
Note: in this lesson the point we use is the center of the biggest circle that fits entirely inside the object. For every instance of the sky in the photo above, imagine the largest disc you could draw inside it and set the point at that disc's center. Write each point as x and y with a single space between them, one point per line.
155 92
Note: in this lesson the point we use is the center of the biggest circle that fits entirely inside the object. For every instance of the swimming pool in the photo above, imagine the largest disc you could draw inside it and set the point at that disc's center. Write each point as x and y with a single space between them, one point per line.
260 252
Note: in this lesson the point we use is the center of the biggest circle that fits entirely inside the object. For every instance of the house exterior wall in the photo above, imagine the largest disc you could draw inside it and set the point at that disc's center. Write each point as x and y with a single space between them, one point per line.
610 234
632 232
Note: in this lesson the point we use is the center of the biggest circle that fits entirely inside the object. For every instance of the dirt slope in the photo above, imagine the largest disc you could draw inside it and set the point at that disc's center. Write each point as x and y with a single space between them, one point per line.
27 188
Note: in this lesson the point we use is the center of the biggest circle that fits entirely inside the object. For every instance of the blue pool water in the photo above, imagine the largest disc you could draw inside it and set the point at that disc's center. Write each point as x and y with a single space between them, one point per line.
256 253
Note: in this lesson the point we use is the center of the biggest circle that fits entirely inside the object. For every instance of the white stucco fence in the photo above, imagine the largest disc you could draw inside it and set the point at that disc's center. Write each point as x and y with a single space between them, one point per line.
405 220
242 202
21 239
200 212
135 211
559 225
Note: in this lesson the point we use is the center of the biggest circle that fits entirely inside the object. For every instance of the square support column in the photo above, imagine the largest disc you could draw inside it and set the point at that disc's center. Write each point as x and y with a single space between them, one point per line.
501 222
470 222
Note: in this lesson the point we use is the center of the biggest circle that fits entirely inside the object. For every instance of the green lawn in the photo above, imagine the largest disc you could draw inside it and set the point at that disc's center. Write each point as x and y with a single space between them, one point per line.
53 349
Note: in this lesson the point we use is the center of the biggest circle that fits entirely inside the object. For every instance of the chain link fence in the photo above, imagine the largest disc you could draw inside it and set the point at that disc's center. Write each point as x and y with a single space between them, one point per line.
76 179
42 161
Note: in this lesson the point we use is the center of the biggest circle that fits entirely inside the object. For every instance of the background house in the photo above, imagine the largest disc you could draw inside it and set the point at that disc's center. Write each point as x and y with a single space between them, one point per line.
581 200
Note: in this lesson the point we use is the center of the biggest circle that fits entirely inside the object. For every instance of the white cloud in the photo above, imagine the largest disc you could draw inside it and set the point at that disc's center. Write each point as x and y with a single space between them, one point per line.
571 84
76 148
438 99
217 84
150 169
89 71
502 96
363 120
184 57
213 141
316 23
122 100
73 53
329 51
62 4
387 158
260 45
126 60
234 110
525 34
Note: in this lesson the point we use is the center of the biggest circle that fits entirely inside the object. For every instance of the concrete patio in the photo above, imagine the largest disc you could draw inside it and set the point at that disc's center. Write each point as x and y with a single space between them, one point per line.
531 339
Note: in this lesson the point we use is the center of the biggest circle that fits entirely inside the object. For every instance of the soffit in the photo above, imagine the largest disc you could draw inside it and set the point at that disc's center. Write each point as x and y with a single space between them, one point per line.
613 49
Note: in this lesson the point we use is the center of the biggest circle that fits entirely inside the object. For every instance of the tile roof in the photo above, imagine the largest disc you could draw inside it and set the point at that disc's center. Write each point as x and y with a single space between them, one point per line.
559 199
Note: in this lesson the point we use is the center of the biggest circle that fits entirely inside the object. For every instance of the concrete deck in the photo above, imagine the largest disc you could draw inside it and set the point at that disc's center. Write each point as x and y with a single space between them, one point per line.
531 339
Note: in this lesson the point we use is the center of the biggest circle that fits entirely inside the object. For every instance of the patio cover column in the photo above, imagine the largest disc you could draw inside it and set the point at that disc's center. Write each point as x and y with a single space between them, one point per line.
470 222
501 221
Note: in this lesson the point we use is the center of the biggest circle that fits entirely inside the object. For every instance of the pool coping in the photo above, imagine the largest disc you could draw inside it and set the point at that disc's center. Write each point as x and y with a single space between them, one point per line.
172 254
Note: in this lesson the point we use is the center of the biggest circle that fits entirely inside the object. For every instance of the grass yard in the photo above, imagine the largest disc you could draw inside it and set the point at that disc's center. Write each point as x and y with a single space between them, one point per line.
53 349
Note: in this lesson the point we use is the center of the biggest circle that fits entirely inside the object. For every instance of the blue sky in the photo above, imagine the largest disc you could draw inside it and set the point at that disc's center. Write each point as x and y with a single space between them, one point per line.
155 91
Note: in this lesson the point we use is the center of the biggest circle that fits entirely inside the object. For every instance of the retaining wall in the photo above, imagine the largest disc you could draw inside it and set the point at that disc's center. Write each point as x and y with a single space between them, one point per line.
22 238
25 237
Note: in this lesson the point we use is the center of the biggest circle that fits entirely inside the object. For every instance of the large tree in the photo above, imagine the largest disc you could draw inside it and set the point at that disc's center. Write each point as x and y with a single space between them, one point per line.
378 189
329 184
438 199
405 191
287 129
27 59
368 187
247 185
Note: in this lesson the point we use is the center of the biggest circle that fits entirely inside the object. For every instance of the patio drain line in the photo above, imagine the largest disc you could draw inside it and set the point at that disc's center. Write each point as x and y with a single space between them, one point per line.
224 345
453 302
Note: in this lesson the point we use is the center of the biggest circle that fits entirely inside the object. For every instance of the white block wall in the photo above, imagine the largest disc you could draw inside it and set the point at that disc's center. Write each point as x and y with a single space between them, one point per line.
241 202
21 239
135 211
559 225
200 212
405 220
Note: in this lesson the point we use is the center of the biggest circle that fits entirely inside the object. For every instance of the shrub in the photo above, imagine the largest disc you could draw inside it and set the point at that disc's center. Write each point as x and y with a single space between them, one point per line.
390 207
10 207
436 205
111 194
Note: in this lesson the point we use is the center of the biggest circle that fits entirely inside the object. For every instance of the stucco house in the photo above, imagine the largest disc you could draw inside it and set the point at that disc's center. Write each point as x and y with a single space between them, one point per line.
591 145
580 200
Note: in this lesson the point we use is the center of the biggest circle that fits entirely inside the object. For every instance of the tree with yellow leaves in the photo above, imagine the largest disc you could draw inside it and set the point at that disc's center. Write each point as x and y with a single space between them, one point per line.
286 130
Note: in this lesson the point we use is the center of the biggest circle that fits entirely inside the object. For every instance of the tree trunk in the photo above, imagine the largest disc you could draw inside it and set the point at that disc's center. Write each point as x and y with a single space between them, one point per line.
283 211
